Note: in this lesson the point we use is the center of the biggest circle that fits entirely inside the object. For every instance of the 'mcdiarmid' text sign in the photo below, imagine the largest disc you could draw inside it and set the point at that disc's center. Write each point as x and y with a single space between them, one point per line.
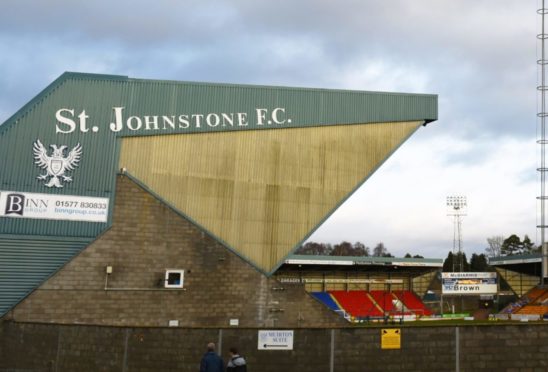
69 121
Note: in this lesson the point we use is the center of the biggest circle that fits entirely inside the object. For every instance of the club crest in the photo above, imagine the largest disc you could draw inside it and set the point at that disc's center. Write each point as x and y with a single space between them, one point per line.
57 164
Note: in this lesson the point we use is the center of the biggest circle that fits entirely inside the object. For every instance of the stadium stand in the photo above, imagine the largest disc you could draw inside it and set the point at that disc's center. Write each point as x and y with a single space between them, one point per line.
373 304
535 294
384 300
541 298
358 303
533 309
534 302
363 286
412 302
536 305
514 306
327 300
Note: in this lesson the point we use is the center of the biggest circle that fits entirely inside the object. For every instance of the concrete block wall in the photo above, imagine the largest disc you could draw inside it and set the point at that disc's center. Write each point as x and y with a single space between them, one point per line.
512 348
147 237
420 347
52 347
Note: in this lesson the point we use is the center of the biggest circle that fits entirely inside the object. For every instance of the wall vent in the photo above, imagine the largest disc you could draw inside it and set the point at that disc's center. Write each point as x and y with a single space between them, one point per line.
174 278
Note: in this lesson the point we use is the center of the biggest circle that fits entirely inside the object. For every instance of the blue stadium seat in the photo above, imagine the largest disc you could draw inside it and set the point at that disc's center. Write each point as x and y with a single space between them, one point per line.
326 299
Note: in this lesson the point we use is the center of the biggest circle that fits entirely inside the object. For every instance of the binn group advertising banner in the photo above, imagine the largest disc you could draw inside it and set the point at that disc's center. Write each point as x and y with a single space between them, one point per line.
53 207
469 283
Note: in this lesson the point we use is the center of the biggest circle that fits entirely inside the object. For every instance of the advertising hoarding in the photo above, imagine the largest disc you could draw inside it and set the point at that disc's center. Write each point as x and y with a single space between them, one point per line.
469 283
53 206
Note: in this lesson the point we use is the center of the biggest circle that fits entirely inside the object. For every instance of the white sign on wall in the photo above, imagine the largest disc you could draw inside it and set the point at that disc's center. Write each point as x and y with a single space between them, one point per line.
53 207
275 340
469 283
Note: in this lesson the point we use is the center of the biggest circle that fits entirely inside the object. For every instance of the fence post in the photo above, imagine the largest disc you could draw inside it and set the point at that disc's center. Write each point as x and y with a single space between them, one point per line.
58 349
220 343
332 357
124 361
457 350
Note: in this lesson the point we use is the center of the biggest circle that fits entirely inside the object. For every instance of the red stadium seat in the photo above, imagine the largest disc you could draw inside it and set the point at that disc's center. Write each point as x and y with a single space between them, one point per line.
412 302
357 303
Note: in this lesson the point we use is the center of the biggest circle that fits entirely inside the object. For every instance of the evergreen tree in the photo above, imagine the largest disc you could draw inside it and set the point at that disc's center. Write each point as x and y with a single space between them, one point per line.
453 263
448 263
478 263
514 246
464 261
528 245
511 246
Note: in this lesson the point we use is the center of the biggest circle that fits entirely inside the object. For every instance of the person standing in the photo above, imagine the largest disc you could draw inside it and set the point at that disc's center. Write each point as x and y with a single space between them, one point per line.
236 363
211 362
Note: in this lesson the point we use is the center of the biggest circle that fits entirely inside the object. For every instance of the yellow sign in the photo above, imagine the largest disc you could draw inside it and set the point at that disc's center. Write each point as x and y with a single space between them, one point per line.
390 338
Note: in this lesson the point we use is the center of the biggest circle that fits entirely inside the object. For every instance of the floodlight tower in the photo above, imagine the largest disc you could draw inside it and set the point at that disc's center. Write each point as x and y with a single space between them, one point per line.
541 138
456 207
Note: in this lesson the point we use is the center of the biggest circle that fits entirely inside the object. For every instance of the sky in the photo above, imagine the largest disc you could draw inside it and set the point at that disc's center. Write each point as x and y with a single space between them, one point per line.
478 57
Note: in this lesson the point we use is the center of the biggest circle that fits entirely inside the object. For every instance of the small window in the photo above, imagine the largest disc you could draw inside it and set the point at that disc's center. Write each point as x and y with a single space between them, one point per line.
174 278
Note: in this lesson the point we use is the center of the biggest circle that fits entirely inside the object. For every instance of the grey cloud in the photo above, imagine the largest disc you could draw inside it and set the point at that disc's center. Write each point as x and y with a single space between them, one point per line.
481 62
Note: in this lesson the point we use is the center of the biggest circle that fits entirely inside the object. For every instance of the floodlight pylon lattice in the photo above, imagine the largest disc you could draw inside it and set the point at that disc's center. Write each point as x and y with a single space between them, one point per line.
457 206
542 141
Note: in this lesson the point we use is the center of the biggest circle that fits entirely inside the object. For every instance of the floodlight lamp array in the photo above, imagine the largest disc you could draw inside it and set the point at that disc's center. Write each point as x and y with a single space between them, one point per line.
456 202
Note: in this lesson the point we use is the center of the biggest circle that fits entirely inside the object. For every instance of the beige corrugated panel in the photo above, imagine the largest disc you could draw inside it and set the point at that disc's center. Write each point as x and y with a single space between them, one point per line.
261 191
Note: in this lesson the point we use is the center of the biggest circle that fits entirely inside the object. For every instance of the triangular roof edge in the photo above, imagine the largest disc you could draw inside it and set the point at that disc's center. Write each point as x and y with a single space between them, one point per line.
91 76
431 114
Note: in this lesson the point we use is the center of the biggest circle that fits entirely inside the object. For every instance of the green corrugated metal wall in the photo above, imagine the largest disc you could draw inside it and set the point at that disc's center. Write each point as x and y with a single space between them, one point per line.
305 107
25 262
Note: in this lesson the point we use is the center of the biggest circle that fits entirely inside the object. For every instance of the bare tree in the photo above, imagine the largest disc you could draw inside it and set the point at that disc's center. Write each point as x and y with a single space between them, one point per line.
360 249
314 248
380 250
495 245
343 249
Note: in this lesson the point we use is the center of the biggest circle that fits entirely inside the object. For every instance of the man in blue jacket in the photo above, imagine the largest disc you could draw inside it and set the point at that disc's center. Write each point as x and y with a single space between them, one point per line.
211 362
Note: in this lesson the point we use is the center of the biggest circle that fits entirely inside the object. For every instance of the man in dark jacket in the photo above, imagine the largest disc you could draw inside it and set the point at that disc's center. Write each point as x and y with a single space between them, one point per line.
211 362
236 363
